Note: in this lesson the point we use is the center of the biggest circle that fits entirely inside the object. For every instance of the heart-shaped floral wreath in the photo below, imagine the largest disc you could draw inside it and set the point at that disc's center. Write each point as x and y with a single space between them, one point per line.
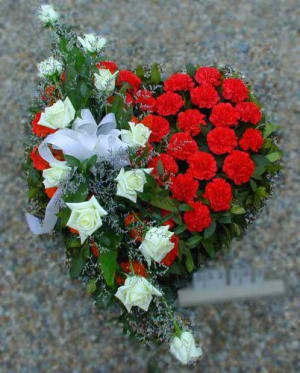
146 178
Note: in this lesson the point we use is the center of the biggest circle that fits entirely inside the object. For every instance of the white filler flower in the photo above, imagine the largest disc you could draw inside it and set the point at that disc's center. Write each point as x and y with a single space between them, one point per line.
156 244
92 43
130 182
47 14
50 67
54 175
184 348
137 136
86 217
105 81
59 115
137 291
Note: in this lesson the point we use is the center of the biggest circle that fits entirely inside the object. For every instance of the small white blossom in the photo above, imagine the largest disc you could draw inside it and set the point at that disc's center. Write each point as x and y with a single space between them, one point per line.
137 291
86 217
131 182
156 244
54 175
105 81
59 115
184 348
137 136
48 14
50 67
92 43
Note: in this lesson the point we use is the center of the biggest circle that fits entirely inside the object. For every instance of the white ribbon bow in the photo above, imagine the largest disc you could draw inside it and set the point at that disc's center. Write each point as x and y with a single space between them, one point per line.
84 140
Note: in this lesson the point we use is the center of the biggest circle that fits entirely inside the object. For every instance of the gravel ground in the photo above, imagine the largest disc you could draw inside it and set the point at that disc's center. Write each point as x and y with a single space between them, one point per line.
47 322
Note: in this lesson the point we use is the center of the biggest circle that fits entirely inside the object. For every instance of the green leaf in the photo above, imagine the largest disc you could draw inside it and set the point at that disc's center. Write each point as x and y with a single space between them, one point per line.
194 241
76 267
209 247
155 74
237 210
64 215
108 265
273 157
91 286
269 129
208 232
191 69
72 161
79 195
189 262
180 229
185 207
140 72
160 168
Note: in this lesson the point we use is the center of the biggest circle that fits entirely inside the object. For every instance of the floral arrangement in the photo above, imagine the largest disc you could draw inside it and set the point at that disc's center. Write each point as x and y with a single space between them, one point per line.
145 177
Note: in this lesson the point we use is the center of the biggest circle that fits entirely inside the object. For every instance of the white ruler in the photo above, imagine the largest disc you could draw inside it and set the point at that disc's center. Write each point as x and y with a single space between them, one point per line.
215 285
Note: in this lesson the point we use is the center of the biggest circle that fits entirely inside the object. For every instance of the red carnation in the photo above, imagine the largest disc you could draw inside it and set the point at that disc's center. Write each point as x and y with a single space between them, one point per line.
252 140
159 126
39 130
197 219
239 167
179 82
109 65
181 145
50 192
169 103
249 112
190 121
224 115
219 193
184 187
208 75
127 76
235 90
38 162
128 99
173 254
205 96
169 164
203 166
145 99
221 140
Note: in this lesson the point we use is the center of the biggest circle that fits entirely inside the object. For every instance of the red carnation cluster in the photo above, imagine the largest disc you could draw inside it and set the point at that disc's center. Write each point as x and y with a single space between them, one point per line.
197 219
235 90
109 65
184 187
203 166
208 75
239 167
169 259
224 115
38 162
221 140
169 165
252 140
145 99
159 127
181 145
40 131
205 96
127 76
169 103
219 193
179 82
249 112
190 121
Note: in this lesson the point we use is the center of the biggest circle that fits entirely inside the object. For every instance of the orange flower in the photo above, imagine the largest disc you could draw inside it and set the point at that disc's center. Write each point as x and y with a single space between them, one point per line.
138 268
135 233
50 191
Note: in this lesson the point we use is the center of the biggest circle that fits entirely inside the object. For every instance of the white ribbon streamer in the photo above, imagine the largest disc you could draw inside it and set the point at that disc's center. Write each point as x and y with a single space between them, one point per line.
84 140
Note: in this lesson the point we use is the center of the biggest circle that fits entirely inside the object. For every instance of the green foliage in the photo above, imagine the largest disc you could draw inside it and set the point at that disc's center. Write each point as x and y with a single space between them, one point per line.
108 265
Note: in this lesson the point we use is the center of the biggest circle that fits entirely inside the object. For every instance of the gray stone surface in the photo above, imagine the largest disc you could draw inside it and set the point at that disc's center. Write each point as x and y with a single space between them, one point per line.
47 323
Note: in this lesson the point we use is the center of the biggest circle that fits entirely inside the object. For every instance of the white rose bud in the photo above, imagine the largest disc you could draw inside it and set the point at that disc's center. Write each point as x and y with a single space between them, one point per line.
92 43
137 291
137 136
184 348
86 217
59 115
54 175
105 81
50 67
48 14
156 244
130 182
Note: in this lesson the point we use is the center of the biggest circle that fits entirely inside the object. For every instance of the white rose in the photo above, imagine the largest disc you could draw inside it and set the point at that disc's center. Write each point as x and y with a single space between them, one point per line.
48 14
86 217
54 175
184 348
130 182
105 81
137 291
50 67
59 115
137 136
92 43
156 244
